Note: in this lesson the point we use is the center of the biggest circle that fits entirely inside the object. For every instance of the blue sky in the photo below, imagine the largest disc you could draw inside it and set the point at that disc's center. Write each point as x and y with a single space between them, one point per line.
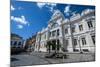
27 18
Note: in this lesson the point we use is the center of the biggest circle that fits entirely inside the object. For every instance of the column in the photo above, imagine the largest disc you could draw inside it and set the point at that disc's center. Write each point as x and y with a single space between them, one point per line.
80 48
71 33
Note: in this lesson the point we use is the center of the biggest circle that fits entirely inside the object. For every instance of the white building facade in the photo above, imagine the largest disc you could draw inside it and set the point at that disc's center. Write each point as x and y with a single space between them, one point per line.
74 34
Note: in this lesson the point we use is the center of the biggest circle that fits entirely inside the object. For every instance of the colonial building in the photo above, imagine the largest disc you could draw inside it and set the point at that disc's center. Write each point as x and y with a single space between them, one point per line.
17 43
74 34
30 43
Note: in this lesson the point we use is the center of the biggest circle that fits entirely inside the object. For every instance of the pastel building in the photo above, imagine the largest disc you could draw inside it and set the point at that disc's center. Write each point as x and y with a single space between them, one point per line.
74 34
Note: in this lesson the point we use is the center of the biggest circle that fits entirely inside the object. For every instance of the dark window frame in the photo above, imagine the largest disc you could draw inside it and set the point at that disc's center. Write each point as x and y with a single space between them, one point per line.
81 27
67 42
90 24
93 39
58 33
75 42
73 29
83 41
66 30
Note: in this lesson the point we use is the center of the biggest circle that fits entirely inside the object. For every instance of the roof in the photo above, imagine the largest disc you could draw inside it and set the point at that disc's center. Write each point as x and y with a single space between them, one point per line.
16 37
55 15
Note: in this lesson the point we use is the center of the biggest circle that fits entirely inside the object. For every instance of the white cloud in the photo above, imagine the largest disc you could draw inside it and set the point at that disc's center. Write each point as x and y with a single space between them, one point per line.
40 5
73 13
20 26
12 8
20 20
67 10
50 6
19 8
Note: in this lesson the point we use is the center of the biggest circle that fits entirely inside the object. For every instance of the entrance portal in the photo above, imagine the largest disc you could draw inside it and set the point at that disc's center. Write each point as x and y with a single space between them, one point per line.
53 45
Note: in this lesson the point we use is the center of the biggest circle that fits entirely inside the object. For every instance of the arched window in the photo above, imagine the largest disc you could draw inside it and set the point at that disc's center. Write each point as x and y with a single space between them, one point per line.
15 42
54 25
11 43
19 43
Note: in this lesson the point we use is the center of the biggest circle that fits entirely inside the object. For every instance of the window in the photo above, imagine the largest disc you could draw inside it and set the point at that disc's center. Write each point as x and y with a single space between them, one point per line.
19 43
93 39
85 50
53 33
80 27
66 31
75 42
90 24
15 43
45 36
58 32
83 41
67 42
54 25
50 34
53 45
73 29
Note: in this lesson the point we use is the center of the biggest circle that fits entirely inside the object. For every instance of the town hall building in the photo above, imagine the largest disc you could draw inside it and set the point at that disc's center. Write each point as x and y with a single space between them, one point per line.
74 34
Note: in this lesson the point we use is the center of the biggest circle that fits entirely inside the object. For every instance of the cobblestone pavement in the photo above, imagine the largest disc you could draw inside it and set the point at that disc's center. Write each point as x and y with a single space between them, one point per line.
36 58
